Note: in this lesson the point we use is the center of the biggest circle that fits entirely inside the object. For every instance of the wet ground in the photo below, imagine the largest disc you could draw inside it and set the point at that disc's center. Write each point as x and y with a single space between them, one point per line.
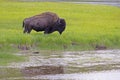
68 65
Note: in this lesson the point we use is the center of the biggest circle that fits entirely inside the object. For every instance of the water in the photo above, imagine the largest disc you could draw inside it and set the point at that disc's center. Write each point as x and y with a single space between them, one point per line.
68 65
103 75
95 2
113 3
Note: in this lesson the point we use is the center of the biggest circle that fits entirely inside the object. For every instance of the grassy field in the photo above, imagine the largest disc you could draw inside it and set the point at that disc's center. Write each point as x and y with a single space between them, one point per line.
87 26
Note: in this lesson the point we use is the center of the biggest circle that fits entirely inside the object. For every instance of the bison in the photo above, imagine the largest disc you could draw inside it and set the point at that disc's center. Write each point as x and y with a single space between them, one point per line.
47 22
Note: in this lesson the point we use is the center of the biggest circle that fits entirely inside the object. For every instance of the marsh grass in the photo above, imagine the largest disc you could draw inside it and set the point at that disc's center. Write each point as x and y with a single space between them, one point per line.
7 55
7 58
87 25
6 73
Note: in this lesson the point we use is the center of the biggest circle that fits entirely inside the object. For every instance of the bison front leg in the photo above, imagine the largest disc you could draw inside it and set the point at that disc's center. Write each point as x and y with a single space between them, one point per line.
47 30
25 29
29 30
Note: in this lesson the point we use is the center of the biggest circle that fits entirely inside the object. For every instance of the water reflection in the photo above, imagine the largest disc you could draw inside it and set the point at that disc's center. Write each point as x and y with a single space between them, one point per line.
42 70
103 75
72 58
80 65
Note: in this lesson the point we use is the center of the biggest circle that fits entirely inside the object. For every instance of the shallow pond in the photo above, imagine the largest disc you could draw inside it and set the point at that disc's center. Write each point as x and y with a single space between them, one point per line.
68 65
103 2
112 3
104 75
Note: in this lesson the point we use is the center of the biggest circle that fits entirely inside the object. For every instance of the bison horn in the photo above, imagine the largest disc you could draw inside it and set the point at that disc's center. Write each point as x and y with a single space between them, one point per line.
59 21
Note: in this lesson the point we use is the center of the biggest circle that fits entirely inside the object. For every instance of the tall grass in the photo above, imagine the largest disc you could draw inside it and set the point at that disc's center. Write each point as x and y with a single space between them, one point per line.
87 25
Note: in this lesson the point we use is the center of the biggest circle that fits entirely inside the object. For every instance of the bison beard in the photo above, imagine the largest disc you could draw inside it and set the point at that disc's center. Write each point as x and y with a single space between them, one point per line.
47 22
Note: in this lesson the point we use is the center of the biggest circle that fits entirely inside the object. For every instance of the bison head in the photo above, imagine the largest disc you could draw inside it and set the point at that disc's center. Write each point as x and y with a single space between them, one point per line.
60 26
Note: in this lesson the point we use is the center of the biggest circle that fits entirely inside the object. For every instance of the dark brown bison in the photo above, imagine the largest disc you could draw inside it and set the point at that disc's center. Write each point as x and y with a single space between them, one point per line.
47 22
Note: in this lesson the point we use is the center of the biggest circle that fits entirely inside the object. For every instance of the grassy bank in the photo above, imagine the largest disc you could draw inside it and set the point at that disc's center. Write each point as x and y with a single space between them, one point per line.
87 26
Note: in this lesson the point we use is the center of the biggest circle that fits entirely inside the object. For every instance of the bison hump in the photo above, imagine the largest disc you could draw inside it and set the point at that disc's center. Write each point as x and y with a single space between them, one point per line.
49 15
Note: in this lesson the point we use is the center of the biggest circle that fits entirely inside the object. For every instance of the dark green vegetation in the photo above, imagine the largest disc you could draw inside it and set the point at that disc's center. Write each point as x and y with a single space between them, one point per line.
7 56
9 72
87 26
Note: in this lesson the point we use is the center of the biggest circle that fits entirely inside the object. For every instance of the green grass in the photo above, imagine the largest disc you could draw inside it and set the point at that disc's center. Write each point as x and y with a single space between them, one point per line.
87 26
